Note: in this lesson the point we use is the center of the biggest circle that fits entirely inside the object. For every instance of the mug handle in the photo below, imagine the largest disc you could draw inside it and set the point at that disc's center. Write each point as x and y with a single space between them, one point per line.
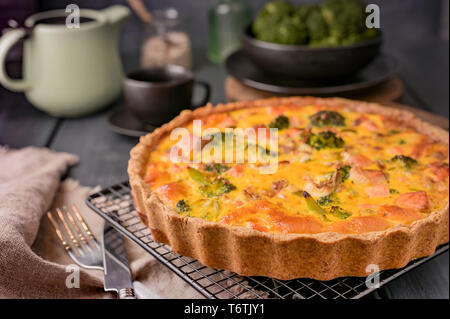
6 42
207 94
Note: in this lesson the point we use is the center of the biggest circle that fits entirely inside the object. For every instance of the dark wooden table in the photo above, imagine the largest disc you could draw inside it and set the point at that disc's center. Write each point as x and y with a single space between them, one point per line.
104 154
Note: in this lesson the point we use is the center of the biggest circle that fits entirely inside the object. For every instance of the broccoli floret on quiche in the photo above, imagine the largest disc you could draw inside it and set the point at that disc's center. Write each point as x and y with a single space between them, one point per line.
339 212
406 161
393 132
217 168
226 186
281 122
210 187
345 172
182 206
326 200
325 139
327 118
216 188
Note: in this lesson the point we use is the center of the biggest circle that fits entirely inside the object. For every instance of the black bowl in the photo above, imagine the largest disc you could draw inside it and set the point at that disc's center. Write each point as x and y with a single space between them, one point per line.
310 63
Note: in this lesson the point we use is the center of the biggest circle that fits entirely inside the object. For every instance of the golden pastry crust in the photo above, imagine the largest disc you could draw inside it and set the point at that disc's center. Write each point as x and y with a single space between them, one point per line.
321 256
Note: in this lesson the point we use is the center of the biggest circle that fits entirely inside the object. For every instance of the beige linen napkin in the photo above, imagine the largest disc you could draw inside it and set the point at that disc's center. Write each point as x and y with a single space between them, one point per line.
32 260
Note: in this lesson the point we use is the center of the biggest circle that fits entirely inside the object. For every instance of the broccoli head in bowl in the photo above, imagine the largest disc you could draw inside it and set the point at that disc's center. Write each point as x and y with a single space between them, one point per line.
278 22
331 23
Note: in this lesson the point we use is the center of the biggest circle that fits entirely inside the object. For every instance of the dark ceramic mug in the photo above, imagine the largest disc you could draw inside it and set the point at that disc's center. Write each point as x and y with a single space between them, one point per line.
156 95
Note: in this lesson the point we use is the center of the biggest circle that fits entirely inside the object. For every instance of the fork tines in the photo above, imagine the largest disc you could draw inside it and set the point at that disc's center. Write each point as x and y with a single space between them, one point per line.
73 231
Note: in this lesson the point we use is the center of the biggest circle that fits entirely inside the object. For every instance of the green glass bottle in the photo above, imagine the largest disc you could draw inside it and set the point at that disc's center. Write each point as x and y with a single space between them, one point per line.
227 20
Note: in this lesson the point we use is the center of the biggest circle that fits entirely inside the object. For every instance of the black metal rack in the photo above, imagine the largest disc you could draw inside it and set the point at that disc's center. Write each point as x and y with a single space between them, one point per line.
115 205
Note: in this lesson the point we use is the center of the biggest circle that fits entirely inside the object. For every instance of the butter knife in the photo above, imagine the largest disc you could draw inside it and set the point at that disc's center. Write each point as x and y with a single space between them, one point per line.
115 264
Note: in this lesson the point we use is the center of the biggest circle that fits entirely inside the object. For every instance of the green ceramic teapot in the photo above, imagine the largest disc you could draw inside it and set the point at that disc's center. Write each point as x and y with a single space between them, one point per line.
68 71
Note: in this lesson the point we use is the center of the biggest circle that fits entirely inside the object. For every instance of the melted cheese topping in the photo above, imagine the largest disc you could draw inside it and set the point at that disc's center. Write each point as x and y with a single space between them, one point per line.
376 193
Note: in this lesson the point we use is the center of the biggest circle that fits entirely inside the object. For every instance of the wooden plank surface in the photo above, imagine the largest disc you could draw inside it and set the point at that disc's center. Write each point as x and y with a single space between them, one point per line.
103 153
428 281
21 124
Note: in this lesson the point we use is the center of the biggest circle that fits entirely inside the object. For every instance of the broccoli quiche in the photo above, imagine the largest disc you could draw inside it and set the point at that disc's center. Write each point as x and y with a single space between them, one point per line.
295 187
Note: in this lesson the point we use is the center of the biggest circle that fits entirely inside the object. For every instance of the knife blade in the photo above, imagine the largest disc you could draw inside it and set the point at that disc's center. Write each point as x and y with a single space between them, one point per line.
115 263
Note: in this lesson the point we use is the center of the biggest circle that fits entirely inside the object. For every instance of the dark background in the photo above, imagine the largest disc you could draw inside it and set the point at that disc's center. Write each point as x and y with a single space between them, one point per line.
409 26
404 21
414 30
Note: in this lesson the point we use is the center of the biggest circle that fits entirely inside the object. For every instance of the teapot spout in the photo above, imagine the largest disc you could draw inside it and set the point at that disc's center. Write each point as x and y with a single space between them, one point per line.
116 14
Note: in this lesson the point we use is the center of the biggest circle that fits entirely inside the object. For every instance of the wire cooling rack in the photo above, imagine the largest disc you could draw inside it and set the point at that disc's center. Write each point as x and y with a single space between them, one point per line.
115 205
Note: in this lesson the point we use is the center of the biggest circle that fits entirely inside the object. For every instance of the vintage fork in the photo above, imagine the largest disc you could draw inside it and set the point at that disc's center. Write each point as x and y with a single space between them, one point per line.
81 244
77 238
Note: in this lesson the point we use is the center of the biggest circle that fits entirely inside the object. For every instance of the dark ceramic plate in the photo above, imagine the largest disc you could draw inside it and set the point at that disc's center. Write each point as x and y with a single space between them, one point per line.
123 122
241 68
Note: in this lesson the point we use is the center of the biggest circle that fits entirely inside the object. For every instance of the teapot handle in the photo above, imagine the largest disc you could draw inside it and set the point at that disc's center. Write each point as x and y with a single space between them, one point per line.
6 42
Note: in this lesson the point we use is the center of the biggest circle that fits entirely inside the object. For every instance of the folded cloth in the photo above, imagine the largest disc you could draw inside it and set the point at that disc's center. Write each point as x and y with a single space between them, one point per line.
33 263
29 179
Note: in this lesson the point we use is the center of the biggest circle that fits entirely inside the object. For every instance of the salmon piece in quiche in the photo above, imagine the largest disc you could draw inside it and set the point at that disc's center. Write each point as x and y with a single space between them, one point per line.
359 160
377 191
362 224
420 147
294 132
261 214
236 171
366 176
172 192
415 200
156 174
401 214
364 121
